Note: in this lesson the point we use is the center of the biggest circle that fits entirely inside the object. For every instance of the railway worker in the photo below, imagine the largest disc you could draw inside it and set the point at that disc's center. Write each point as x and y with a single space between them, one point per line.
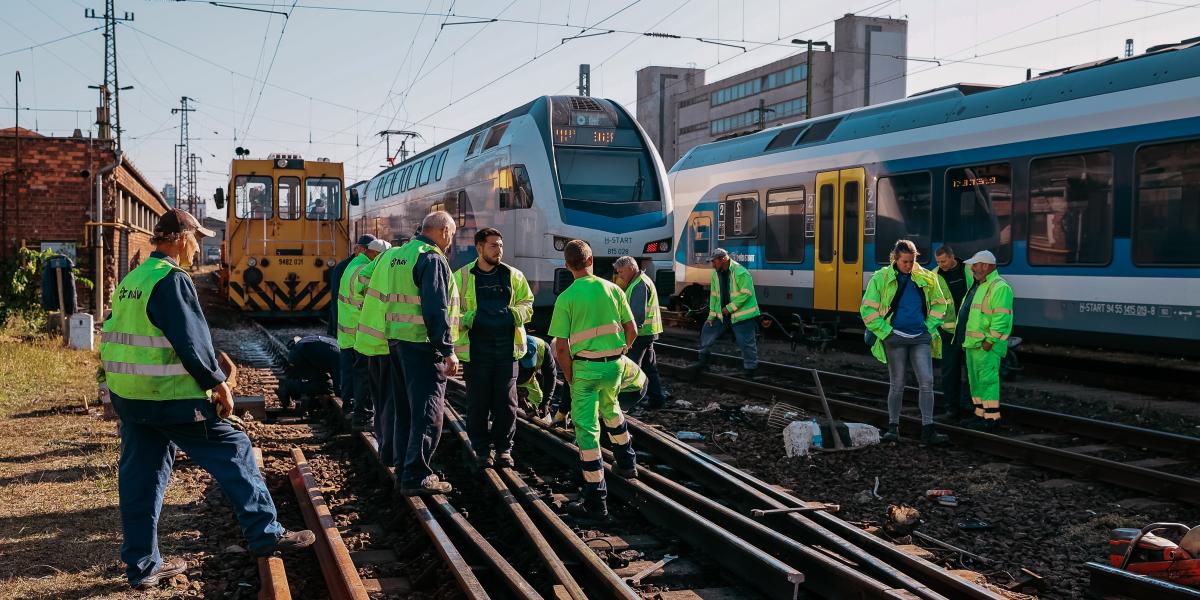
903 309
954 281
731 305
312 361
158 360
337 328
496 303
350 296
647 316
594 329
537 379
984 324
385 379
425 307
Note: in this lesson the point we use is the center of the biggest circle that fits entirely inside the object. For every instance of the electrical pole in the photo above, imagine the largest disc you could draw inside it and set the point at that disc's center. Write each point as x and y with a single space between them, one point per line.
192 197
585 80
182 150
762 111
111 88
808 73
403 150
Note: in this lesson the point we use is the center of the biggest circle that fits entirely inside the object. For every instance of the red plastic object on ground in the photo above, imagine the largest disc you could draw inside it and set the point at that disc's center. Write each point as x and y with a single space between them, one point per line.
1146 553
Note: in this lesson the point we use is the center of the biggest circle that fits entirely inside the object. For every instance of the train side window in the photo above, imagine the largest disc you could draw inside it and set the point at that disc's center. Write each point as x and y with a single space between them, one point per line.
289 198
903 212
323 196
739 217
825 218
441 164
252 196
1166 221
851 215
475 143
493 138
1071 209
427 169
785 225
395 183
414 175
979 210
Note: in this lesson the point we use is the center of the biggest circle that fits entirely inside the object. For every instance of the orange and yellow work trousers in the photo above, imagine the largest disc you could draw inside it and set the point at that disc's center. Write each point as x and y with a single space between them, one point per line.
983 373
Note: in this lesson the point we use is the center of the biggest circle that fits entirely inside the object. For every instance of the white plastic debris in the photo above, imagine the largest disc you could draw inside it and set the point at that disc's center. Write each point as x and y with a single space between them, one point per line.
797 439
682 404
755 409
862 434
801 436
711 406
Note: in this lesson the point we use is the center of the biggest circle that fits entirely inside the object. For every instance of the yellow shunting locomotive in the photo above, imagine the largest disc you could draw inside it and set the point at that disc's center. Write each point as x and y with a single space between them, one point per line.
286 227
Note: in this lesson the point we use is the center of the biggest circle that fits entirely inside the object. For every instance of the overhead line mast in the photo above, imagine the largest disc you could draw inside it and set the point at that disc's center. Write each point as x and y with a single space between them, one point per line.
110 89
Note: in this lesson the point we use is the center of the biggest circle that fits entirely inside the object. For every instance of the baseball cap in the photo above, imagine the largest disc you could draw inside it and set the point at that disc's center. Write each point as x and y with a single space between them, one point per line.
365 240
718 253
178 220
983 256
378 245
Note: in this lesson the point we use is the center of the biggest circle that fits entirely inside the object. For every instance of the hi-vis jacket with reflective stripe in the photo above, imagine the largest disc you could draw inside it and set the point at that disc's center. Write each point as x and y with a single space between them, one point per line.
877 302
520 301
365 343
138 360
743 304
951 320
392 303
348 305
653 323
991 315
601 308
532 386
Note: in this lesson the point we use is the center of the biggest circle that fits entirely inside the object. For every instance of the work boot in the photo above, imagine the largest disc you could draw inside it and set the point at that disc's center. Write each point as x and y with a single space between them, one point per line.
167 570
560 419
487 461
892 434
630 473
505 460
366 424
930 436
288 542
697 367
971 422
430 486
587 510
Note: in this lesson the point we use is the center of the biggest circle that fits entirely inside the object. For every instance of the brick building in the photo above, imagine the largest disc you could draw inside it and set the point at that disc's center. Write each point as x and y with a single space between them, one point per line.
47 201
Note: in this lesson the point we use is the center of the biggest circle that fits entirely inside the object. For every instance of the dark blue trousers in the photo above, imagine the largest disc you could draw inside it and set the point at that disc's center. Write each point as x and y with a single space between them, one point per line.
360 376
956 394
491 396
147 455
419 422
345 389
387 388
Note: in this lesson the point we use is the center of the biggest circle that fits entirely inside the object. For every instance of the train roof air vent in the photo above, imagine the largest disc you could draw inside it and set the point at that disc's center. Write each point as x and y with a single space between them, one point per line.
819 131
585 103
786 137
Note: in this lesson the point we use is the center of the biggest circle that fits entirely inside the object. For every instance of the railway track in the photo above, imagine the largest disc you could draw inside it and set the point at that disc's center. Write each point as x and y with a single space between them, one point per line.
1122 455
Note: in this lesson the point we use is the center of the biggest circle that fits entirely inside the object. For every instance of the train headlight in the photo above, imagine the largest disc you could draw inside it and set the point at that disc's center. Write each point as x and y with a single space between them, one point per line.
560 243
252 276
663 245
319 262
250 262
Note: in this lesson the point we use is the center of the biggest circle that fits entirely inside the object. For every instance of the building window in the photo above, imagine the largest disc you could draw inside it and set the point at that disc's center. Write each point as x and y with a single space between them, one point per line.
979 210
770 81
252 197
693 128
1166 222
1070 209
738 217
289 198
785 225
903 212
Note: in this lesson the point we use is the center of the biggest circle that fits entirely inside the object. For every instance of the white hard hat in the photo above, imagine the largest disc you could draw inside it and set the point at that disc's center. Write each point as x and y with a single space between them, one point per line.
379 246
983 256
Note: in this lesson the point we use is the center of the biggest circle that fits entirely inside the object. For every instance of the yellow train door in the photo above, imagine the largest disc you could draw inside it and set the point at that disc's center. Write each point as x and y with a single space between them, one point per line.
838 271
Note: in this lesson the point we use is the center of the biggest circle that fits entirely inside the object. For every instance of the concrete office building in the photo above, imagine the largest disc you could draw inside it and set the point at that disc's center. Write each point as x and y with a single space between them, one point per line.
866 65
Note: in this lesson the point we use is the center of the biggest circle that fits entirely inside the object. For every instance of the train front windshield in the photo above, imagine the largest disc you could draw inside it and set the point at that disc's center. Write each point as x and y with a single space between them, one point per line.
606 175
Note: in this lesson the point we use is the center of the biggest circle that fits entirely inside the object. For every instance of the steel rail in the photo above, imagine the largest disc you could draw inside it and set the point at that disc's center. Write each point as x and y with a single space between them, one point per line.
1145 480
924 578
759 569
1107 580
562 576
513 580
1129 435
273 584
341 577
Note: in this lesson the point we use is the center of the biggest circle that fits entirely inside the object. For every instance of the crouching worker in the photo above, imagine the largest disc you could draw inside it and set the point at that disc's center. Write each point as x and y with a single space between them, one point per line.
312 361
537 378
158 360
594 329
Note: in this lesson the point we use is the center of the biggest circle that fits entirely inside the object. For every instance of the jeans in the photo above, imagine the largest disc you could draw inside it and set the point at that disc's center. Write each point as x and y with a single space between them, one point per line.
901 352
955 394
744 332
418 421
147 456
387 388
345 389
491 392
360 376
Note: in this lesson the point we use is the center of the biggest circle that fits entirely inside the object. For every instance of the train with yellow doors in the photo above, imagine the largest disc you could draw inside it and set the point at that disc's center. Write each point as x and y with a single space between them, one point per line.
286 228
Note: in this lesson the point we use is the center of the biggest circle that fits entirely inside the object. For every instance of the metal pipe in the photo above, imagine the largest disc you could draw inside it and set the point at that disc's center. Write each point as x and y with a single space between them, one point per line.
99 217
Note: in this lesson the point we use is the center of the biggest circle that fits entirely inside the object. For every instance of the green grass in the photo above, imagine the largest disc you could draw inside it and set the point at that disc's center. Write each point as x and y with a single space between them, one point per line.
37 370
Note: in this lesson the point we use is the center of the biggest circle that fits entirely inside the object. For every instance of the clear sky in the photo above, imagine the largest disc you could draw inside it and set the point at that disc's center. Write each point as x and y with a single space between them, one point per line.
325 80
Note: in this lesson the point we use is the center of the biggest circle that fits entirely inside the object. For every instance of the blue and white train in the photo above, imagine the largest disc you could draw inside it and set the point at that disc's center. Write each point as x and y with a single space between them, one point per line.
1085 183
556 169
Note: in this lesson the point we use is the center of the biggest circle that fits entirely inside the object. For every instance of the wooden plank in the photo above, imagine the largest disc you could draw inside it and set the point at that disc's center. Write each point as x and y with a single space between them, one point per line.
722 593
681 567
623 542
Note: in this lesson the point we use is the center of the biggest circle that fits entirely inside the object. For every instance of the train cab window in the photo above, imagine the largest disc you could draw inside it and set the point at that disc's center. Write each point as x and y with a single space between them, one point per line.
851 217
324 198
738 217
903 212
441 164
1166 221
289 198
1070 209
463 208
785 225
494 136
515 188
825 220
252 197
979 210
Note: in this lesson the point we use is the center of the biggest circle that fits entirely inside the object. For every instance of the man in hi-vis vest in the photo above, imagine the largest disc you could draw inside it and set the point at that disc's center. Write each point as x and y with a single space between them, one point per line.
158 361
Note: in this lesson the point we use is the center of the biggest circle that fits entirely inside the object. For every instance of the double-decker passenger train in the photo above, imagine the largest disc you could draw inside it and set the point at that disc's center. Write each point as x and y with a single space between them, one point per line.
556 169
1084 182
286 227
